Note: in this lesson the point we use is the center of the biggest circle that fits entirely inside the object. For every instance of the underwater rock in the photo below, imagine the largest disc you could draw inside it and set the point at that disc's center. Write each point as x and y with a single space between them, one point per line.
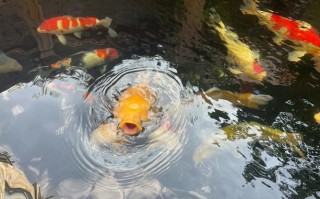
7 64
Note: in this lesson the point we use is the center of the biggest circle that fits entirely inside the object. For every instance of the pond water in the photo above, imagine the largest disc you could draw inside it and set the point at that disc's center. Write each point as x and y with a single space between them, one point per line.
197 144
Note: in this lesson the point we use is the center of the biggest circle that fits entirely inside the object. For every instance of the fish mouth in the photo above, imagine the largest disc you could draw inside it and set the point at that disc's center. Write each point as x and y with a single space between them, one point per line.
130 126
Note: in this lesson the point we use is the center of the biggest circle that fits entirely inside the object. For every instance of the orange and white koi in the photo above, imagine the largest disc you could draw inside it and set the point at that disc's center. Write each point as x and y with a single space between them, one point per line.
240 99
305 39
133 108
67 24
98 57
239 53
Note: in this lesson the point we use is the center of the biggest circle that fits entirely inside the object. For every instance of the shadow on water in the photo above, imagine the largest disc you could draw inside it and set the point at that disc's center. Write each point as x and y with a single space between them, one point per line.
194 146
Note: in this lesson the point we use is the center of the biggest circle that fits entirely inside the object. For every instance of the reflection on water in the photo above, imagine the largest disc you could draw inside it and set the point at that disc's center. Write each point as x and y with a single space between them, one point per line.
196 145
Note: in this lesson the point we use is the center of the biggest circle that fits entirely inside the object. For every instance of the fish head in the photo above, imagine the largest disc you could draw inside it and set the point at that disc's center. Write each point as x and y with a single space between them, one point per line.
113 53
48 26
131 112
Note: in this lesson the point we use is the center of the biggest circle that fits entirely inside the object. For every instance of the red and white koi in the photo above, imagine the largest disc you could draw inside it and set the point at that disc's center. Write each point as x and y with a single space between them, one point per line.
305 39
67 24
239 53
98 57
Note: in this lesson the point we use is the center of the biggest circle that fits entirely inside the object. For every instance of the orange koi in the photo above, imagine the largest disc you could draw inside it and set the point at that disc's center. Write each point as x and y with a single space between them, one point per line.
305 38
64 63
67 24
133 107
98 57
239 53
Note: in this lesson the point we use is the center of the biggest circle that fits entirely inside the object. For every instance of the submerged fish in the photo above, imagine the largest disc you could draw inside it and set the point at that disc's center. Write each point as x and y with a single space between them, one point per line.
239 53
14 183
317 117
98 57
247 129
8 64
239 99
67 24
133 108
304 37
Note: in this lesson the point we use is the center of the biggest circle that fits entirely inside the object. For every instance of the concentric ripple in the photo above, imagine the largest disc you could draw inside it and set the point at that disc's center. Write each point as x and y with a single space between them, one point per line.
152 152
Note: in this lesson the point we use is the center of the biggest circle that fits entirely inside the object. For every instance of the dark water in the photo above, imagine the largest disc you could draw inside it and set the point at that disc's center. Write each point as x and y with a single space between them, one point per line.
47 131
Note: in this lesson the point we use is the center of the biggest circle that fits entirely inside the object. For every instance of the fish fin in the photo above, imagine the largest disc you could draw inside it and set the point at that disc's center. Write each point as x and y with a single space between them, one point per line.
78 34
255 54
278 40
235 71
106 22
103 69
316 59
38 69
211 90
62 39
250 7
295 56
260 99
112 33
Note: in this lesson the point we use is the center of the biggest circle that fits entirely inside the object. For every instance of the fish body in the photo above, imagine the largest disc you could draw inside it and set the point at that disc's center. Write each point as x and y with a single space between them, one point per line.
98 57
239 53
304 37
249 129
133 107
67 24
317 117
239 99
15 180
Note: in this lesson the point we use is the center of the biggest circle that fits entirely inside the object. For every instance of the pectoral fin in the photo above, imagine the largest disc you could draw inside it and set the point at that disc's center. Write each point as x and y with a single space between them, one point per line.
112 33
78 34
235 71
62 39
295 56
278 40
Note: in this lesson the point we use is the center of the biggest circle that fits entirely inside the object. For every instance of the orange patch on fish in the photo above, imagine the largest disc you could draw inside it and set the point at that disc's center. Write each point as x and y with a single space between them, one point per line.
257 68
87 22
295 30
101 53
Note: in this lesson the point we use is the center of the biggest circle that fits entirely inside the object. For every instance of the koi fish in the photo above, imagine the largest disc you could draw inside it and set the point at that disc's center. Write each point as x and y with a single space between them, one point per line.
98 57
133 108
90 59
8 64
246 130
239 53
14 179
64 63
67 24
305 38
249 129
317 117
239 99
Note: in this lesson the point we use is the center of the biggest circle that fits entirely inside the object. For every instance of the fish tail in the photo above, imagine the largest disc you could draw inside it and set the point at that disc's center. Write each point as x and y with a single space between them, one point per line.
249 7
214 21
106 22
260 99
